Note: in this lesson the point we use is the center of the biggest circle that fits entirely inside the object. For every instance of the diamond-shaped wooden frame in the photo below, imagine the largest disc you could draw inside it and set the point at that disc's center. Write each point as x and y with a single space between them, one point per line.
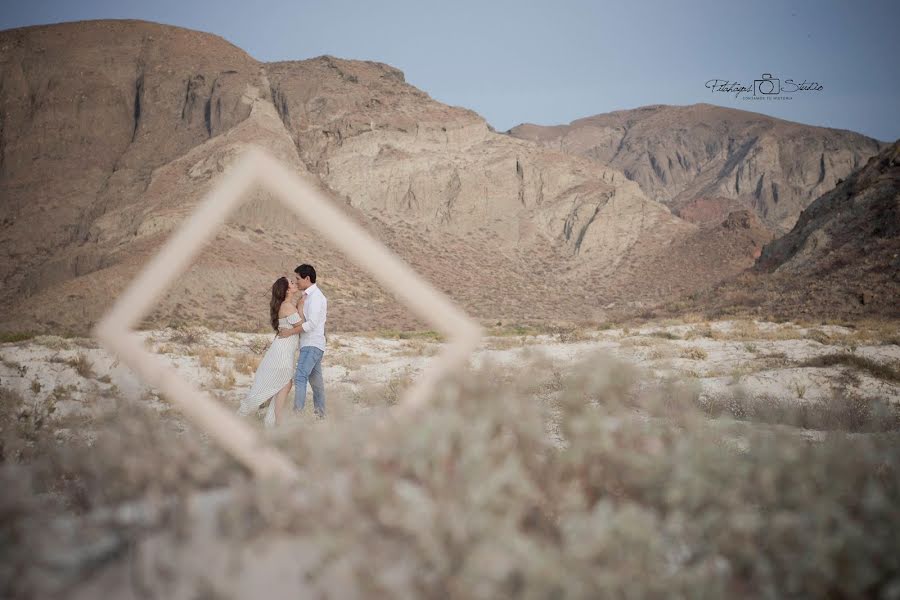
257 168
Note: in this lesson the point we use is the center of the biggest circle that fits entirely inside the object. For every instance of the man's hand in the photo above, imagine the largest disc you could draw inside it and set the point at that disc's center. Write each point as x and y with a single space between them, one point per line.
283 333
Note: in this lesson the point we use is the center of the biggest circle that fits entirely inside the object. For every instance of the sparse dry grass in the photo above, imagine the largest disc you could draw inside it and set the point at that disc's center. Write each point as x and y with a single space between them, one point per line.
662 352
703 330
743 369
693 353
246 363
874 368
743 330
259 345
505 342
54 342
666 335
841 411
208 356
417 347
82 365
11 337
384 394
188 335
398 383
639 341
351 361
225 381
393 334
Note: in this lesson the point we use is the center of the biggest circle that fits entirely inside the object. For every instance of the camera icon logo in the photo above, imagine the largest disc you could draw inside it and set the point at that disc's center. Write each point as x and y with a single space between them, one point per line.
768 85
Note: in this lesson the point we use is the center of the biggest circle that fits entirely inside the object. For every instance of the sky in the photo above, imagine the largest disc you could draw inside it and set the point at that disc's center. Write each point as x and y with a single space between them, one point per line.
554 62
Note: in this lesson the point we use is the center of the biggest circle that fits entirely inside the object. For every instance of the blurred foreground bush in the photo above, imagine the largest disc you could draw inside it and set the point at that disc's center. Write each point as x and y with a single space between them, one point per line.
581 485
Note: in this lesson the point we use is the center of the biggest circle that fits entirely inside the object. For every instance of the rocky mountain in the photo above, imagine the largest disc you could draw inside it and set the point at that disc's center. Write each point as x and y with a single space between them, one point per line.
841 259
845 247
113 131
704 160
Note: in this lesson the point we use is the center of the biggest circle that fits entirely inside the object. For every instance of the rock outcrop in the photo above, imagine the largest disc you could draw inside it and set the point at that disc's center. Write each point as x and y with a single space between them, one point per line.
841 260
684 154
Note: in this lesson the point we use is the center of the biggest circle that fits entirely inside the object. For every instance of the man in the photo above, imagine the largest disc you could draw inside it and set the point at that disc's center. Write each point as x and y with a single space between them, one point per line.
312 341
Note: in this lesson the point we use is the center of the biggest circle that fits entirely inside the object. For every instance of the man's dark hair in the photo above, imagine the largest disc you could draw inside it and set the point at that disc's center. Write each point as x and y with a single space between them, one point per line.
306 271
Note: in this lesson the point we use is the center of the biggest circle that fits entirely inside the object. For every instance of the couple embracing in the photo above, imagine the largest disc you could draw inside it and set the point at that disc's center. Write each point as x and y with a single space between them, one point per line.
297 310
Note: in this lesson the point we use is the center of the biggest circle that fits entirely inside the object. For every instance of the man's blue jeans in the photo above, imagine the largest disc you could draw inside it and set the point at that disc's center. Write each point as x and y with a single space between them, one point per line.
309 368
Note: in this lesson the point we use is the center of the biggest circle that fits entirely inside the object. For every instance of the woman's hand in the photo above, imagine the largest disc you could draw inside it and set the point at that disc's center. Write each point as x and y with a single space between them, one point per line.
301 302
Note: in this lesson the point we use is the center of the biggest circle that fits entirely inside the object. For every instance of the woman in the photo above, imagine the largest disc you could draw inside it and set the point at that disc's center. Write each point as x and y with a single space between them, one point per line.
275 374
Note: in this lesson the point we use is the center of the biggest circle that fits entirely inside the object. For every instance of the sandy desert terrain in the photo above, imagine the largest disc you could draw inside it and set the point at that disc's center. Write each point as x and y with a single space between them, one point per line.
112 492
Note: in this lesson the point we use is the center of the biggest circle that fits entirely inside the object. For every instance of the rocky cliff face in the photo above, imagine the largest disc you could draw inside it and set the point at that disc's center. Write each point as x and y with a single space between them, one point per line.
854 219
393 151
681 155
840 260
89 110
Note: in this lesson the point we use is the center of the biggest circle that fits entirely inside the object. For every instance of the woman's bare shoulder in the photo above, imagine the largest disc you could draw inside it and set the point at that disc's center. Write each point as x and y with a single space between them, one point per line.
286 309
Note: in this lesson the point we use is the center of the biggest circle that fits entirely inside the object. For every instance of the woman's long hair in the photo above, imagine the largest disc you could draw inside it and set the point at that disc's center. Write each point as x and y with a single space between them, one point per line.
279 293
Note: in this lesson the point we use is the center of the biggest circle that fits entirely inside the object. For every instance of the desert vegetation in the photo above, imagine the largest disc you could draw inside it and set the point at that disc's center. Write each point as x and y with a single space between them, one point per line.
694 459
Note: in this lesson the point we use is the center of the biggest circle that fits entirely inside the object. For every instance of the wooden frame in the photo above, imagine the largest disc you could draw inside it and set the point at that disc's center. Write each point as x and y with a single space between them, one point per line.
257 168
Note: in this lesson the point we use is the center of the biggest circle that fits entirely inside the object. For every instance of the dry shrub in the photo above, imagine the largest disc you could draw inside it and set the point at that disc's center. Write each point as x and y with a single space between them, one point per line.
246 363
351 361
53 342
188 335
136 452
387 393
472 499
704 330
693 353
226 381
841 411
397 385
207 358
571 335
11 337
82 365
661 352
259 344
505 343
820 336
165 349
22 424
745 330
876 369
666 335
417 347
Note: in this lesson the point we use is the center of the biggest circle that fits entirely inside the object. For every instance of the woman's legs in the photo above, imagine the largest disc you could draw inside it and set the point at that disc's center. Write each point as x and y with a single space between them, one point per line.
280 399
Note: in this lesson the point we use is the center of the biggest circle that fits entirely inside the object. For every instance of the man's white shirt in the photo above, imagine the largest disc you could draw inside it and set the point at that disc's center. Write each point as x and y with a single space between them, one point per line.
314 313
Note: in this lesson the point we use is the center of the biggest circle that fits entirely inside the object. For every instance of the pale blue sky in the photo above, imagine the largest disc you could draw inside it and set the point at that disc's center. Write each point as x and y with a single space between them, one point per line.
552 62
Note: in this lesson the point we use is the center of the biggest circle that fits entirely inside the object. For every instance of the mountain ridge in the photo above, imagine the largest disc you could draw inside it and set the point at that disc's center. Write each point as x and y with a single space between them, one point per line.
98 170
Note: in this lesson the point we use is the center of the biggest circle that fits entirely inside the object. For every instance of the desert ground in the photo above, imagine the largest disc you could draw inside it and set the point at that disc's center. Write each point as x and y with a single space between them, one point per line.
725 362
720 425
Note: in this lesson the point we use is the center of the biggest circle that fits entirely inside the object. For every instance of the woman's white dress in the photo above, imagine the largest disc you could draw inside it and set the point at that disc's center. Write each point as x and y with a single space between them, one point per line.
275 370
